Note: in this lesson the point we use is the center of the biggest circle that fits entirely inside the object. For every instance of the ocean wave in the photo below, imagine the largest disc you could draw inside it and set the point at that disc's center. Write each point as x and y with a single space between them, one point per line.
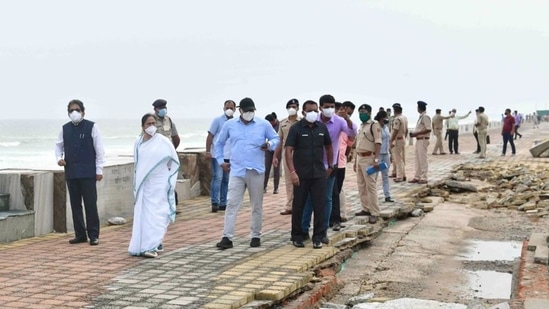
9 144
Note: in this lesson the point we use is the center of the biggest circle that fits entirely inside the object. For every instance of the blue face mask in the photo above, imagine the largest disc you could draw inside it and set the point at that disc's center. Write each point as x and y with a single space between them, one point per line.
162 112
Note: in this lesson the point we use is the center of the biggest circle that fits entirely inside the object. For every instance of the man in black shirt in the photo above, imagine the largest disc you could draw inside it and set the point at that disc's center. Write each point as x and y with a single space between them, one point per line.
304 150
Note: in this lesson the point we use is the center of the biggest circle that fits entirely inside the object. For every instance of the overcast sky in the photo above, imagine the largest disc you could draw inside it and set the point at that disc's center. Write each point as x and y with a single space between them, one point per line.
119 56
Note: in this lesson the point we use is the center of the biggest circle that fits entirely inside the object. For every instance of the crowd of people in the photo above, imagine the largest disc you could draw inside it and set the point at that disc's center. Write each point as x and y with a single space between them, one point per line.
311 148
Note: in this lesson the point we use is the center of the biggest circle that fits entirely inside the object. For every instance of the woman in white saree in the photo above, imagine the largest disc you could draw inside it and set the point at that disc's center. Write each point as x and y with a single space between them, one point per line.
156 167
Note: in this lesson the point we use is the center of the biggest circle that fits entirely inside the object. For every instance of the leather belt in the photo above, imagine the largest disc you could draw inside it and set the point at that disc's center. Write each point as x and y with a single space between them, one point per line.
402 137
420 138
365 154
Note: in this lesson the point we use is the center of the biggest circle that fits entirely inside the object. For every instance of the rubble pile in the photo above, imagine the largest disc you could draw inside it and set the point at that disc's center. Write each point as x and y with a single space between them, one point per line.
516 186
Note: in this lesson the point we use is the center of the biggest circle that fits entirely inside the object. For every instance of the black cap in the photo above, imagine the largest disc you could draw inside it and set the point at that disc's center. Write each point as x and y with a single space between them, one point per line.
160 103
366 107
421 103
247 105
438 110
481 109
397 105
292 101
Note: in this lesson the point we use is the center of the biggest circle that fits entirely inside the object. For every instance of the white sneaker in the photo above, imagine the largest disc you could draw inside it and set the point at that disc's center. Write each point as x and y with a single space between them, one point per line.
160 248
150 254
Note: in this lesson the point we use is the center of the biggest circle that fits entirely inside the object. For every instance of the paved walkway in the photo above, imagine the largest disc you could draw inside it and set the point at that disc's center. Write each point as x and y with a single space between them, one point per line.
47 272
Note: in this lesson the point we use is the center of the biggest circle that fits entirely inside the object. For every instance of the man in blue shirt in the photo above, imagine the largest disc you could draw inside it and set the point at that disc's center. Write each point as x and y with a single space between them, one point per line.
249 138
220 178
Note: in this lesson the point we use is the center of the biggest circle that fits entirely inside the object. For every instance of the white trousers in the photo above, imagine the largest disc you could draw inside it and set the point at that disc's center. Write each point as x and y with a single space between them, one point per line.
253 181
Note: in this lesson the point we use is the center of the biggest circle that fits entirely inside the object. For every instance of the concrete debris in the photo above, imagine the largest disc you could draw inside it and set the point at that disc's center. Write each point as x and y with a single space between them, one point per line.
514 186
404 303
359 299
417 213
117 221
333 306
500 306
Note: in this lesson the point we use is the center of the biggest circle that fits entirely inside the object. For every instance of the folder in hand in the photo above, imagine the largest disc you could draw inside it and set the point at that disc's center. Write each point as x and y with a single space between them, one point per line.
371 170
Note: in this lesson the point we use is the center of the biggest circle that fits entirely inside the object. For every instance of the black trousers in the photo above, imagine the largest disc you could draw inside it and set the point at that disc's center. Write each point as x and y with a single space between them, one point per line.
453 143
478 145
314 187
84 189
516 131
276 170
336 206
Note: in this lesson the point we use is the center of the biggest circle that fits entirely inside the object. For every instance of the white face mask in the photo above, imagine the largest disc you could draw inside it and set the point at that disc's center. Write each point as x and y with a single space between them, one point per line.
75 116
229 112
292 111
248 116
328 112
151 130
311 116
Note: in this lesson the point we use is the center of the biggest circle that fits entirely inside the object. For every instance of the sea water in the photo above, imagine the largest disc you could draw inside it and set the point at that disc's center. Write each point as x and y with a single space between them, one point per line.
30 144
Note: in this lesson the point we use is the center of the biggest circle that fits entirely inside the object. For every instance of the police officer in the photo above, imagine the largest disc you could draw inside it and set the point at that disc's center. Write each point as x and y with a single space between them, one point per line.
166 127
164 124
437 128
422 134
399 130
482 127
368 145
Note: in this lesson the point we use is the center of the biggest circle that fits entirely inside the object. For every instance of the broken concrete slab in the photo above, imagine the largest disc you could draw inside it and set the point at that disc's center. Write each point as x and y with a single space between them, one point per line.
541 255
537 150
537 240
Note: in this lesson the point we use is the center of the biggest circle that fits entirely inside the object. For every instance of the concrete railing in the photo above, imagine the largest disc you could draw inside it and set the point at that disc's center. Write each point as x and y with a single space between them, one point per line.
43 198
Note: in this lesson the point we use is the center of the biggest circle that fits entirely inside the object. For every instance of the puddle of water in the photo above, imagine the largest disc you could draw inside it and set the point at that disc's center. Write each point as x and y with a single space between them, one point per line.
490 284
479 250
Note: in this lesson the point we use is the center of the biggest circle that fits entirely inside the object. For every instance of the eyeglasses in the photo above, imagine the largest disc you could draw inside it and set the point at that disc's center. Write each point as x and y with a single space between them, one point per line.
74 110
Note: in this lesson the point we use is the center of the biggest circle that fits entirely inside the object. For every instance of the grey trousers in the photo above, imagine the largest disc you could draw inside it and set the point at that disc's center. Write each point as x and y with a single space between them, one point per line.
253 181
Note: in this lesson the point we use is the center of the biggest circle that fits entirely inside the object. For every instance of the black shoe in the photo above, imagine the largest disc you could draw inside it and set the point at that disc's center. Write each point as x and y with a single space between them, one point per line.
77 240
214 207
255 242
317 245
298 243
457 152
336 226
325 240
389 200
362 213
275 191
94 242
225 243
221 208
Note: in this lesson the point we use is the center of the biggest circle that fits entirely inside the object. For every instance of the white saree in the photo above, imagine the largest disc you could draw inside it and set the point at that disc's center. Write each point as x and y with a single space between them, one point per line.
156 168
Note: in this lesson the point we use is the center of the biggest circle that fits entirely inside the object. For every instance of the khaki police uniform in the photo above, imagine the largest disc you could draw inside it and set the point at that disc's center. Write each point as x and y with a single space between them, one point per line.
164 126
422 143
437 130
365 156
400 123
283 130
482 127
